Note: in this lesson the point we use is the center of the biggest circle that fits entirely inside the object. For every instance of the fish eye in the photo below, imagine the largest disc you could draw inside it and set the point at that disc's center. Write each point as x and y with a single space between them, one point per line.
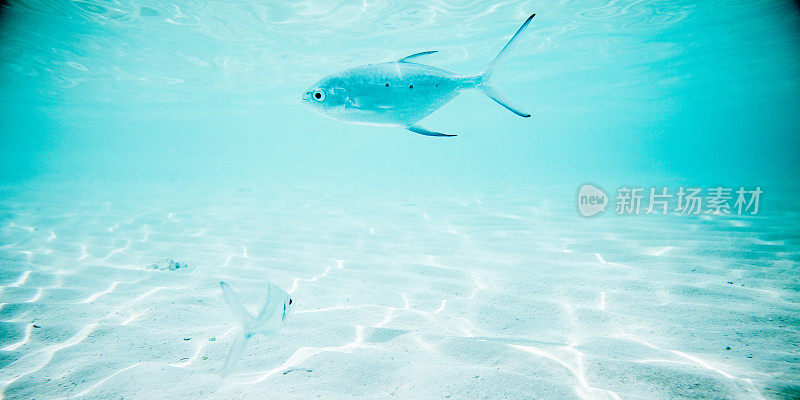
319 95
290 301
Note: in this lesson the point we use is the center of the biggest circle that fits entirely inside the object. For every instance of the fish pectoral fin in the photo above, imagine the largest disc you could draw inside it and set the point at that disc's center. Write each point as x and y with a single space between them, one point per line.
422 53
422 131
351 102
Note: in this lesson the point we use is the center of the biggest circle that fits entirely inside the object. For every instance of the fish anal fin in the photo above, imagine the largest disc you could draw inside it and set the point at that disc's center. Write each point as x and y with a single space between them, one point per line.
422 53
422 131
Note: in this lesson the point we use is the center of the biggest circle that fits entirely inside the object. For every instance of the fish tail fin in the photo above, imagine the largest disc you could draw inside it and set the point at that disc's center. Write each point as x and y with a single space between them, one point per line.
482 80
236 353
500 98
244 319
487 72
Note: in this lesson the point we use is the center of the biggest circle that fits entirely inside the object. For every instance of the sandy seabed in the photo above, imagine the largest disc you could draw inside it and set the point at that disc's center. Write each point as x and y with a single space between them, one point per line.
395 296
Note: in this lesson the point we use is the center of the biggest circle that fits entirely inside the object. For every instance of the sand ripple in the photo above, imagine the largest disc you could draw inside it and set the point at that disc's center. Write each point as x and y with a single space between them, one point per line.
444 297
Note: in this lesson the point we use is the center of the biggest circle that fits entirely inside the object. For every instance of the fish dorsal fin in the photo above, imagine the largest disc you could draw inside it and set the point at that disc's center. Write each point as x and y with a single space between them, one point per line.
423 53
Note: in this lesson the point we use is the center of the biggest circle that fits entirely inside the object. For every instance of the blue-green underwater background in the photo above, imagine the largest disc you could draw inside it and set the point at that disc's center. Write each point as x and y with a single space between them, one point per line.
705 91
138 134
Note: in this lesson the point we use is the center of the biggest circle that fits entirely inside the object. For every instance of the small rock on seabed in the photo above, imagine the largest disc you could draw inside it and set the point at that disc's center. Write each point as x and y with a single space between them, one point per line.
168 264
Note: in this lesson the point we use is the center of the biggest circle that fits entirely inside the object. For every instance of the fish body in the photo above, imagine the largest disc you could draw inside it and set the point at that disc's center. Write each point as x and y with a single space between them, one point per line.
392 93
267 322
400 93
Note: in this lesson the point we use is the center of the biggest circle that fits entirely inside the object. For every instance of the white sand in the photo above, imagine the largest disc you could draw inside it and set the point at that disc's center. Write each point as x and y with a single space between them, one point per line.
396 296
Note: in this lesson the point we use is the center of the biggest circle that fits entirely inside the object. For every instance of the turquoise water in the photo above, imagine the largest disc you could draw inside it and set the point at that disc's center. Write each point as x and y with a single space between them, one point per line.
422 267
155 91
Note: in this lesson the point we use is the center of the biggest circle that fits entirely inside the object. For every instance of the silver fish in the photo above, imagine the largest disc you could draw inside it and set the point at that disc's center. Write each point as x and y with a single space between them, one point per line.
402 92
268 321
